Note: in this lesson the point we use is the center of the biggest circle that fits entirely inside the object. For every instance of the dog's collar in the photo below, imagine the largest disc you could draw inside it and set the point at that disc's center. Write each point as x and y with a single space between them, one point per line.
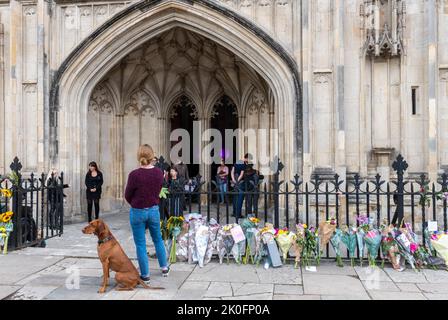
105 240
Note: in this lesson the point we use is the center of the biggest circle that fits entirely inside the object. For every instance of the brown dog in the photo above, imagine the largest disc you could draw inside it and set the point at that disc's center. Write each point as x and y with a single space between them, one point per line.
113 257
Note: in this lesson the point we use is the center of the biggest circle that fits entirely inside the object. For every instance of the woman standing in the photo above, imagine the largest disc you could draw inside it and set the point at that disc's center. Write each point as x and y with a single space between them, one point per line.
142 193
221 178
176 186
94 181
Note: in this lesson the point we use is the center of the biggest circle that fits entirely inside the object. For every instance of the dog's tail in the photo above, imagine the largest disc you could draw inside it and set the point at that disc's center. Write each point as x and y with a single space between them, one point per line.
144 285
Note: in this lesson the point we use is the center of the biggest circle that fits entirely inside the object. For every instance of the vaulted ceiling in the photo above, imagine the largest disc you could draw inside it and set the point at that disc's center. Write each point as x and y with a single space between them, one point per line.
182 62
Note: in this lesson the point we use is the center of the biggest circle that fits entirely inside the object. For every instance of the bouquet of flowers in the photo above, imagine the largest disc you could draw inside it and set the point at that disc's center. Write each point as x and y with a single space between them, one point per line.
299 243
195 223
201 239
6 225
326 231
389 247
439 241
174 227
261 250
182 246
239 242
212 240
249 227
406 246
284 239
267 235
335 241
372 240
311 247
227 240
349 239
364 227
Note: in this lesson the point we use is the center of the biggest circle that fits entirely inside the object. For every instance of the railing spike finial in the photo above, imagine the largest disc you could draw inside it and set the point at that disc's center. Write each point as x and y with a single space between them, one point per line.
16 166
400 165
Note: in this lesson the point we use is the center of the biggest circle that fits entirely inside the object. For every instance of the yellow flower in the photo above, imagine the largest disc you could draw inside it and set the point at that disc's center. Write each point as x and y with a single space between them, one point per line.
254 220
305 226
2 230
6 193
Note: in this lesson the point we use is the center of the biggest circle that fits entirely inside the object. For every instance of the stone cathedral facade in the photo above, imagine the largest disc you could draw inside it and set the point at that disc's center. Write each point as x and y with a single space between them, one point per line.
347 84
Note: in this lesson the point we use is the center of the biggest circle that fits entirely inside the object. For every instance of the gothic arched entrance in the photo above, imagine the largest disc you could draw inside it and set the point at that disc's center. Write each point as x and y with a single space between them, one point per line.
268 68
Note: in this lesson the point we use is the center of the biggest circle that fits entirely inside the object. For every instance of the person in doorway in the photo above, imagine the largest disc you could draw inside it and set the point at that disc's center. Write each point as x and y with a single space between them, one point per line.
93 181
237 175
182 170
176 188
142 193
222 177
251 180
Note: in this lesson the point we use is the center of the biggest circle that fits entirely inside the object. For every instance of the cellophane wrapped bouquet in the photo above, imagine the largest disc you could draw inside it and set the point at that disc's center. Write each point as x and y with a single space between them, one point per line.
250 230
335 241
349 239
326 231
364 224
311 249
299 243
285 240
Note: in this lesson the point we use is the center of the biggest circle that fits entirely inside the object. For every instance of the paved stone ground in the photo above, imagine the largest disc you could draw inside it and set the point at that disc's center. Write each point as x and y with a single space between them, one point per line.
51 273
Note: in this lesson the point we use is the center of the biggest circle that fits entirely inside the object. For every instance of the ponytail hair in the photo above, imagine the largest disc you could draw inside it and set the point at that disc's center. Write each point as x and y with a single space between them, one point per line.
145 155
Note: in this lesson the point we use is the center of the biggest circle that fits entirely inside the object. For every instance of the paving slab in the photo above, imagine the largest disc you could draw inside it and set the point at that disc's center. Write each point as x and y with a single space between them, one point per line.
436 296
288 289
408 287
219 289
331 268
145 294
438 288
333 285
408 276
30 292
372 274
119 295
287 274
83 293
15 267
380 286
253 288
386 295
345 297
295 297
5 291
262 296
436 276
225 273
192 290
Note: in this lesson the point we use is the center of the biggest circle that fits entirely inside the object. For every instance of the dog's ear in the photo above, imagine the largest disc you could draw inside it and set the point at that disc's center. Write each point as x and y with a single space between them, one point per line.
101 229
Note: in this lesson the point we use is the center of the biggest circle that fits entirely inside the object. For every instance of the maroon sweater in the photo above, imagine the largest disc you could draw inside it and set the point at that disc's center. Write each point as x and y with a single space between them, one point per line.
143 188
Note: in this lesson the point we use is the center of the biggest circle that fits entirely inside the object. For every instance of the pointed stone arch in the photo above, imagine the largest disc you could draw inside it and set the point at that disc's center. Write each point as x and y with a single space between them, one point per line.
78 75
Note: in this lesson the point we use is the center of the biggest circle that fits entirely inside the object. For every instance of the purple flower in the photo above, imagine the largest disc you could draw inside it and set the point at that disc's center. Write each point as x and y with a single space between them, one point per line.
363 220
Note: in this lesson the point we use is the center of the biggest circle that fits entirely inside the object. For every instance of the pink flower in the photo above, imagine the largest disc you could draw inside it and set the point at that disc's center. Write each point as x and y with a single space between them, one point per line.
414 247
371 234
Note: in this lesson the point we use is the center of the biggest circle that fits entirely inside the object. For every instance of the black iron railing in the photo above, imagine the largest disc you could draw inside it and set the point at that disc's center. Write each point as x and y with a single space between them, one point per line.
37 206
286 203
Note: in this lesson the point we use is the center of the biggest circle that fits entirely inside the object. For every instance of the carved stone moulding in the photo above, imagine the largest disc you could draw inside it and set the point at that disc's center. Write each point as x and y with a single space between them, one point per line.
383 23
81 1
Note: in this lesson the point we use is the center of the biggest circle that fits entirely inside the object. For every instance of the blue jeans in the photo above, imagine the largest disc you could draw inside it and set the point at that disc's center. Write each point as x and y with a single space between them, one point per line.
222 189
142 219
238 200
